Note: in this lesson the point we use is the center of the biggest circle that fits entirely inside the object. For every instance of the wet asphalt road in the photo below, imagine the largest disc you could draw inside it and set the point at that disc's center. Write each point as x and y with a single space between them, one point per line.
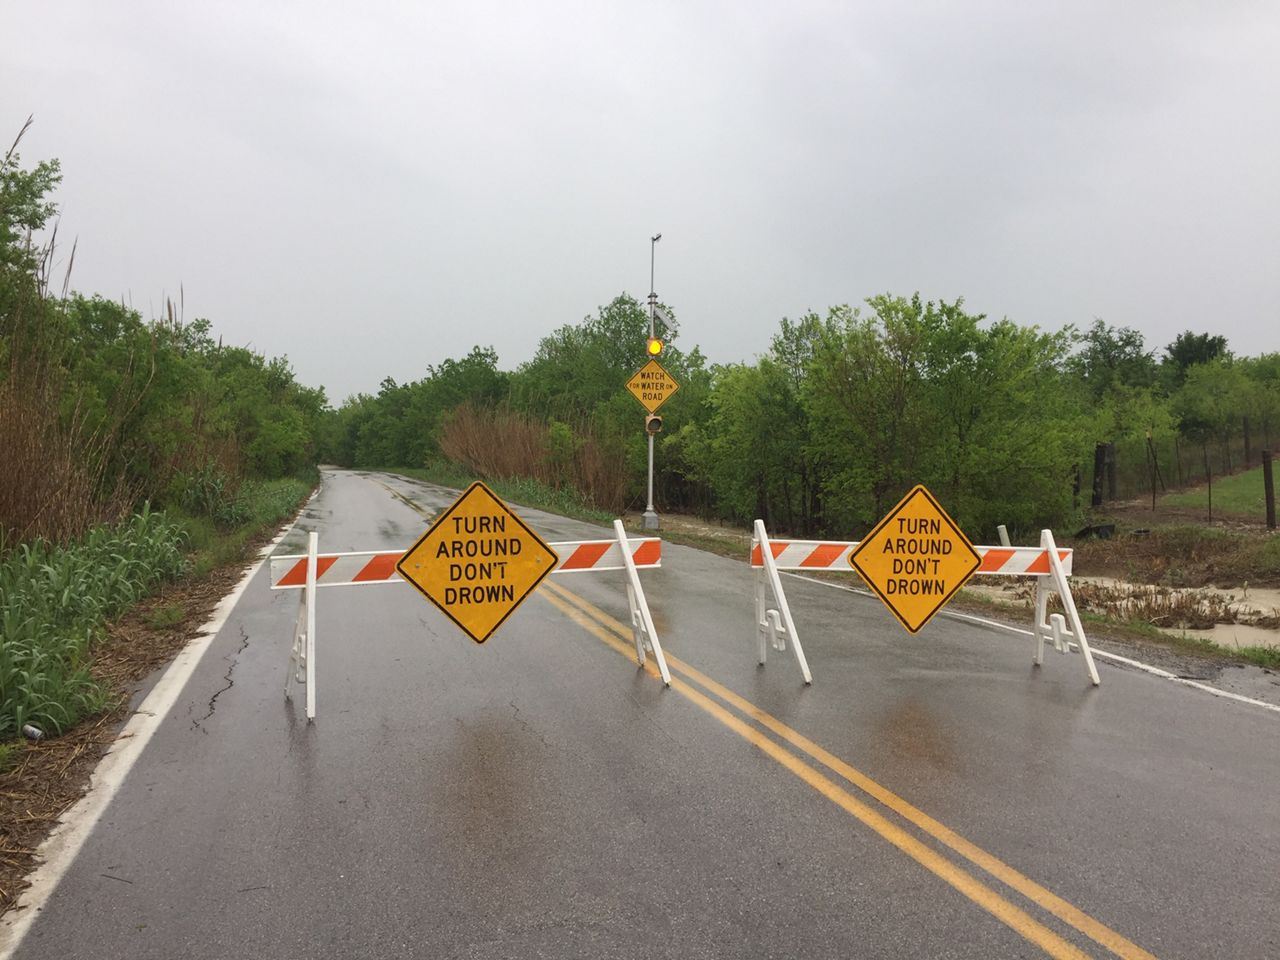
540 796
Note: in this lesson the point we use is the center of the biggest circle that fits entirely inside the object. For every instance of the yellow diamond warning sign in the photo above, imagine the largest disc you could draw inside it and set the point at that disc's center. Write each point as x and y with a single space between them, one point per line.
477 562
652 385
915 559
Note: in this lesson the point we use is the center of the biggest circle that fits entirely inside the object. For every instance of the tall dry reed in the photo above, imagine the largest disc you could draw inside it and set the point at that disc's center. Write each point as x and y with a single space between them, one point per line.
503 444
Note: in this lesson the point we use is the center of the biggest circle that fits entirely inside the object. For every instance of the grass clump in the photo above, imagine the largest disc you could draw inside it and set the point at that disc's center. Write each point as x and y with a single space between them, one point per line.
166 615
55 602
261 504
1268 657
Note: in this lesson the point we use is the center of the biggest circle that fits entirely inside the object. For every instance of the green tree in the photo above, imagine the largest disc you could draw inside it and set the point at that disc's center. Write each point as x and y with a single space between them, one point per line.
1189 350
1112 356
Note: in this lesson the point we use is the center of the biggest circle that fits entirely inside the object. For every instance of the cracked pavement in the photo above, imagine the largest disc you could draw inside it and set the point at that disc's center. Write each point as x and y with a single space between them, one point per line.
232 661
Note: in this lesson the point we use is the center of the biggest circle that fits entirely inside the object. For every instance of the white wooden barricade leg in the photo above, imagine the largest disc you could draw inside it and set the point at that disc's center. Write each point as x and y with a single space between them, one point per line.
643 631
774 624
1065 639
302 656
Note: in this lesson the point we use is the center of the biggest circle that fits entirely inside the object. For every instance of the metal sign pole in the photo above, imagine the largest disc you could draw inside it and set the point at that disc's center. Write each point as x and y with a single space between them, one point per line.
651 515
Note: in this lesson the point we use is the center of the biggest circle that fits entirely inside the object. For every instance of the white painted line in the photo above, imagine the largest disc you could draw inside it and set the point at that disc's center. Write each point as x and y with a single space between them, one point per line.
1136 664
61 846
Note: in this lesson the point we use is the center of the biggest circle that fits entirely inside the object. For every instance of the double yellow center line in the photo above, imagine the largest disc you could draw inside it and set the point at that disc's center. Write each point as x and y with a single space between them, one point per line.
751 723
687 680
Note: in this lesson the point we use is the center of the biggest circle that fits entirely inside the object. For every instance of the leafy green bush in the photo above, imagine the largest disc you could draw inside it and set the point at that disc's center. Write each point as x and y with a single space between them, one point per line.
211 492
55 601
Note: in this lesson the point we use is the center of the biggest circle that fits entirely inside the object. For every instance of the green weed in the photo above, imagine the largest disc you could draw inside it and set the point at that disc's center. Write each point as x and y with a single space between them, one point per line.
1268 657
166 615
55 601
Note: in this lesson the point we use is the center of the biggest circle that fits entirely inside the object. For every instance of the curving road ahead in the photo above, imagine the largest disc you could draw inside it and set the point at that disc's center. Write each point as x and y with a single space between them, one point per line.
541 796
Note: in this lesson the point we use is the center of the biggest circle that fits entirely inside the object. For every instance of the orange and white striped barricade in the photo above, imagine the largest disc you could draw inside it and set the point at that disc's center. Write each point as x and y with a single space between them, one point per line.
1049 565
312 570
580 556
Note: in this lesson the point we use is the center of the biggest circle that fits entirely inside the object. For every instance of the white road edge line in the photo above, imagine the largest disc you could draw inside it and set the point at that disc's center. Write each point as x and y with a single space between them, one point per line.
59 849
1137 664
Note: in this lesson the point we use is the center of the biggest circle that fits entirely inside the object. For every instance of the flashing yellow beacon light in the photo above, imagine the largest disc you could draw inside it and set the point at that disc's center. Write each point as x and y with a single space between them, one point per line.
654 347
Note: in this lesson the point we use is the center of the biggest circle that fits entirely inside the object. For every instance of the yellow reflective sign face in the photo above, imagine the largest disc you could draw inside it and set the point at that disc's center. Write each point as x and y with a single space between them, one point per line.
915 559
477 562
652 386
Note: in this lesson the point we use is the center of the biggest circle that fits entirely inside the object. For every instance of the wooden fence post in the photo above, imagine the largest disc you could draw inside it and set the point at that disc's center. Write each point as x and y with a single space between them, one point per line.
1269 483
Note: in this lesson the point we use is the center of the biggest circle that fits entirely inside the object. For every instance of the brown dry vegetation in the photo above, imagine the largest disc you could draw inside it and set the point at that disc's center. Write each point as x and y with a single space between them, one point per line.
503 444
1185 556
52 484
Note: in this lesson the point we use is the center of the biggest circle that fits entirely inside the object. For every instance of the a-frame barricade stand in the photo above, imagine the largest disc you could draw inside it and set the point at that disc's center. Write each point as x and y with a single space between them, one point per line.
1065 640
610 555
312 570
774 625
1050 566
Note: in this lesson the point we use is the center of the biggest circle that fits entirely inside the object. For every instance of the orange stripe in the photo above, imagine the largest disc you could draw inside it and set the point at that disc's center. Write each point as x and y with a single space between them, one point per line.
297 575
380 567
757 558
1040 564
776 548
994 559
649 553
585 556
824 555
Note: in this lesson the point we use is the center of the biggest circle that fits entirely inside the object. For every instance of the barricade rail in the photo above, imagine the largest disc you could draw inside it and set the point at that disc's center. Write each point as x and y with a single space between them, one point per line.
311 570
1050 565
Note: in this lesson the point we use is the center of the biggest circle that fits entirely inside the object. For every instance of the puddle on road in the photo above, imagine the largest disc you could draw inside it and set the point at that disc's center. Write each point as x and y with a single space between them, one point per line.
911 730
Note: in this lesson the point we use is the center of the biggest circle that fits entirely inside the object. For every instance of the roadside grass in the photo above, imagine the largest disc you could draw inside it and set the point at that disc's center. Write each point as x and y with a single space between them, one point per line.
55 601
1268 657
264 504
58 602
1240 494
1184 555
522 490
166 615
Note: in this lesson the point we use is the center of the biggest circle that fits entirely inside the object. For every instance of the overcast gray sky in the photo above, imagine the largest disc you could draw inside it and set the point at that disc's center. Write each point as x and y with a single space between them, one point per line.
370 188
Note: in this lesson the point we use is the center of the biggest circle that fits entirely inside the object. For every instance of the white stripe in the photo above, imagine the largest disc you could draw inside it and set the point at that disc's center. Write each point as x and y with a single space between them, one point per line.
1137 664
